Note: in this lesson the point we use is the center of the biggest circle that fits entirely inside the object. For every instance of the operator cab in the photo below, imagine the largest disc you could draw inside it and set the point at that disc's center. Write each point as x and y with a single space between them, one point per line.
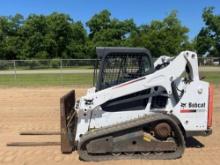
121 64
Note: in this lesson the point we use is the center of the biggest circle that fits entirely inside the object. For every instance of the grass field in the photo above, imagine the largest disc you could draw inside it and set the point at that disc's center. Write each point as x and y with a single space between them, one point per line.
213 77
76 79
23 80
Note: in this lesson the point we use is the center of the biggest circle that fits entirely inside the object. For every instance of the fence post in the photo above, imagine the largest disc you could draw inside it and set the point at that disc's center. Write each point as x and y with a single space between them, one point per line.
61 71
15 73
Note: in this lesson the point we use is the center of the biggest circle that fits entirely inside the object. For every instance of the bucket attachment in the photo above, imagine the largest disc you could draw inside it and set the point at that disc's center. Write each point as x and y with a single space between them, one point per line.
68 122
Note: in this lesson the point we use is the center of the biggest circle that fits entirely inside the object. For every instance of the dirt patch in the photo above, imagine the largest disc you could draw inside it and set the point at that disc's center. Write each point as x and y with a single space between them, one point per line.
37 109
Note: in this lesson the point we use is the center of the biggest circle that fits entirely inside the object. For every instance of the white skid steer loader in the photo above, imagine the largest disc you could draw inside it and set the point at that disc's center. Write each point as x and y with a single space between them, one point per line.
138 109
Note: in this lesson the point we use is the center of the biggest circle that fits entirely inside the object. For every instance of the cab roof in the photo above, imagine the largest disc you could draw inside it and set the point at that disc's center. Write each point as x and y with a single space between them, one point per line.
104 51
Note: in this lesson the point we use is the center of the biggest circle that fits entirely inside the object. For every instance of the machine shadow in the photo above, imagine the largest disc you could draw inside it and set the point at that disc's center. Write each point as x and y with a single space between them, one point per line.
191 142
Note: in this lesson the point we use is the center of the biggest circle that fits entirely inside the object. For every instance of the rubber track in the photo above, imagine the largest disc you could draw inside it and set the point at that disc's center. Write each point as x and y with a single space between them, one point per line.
105 131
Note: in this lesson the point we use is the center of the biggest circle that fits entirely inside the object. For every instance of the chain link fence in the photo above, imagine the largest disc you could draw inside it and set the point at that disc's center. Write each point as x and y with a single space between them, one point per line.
56 72
47 72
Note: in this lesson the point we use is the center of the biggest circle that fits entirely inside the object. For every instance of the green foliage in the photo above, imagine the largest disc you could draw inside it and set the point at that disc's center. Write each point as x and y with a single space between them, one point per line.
53 36
55 63
108 31
166 37
41 37
208 39
58 36
9 38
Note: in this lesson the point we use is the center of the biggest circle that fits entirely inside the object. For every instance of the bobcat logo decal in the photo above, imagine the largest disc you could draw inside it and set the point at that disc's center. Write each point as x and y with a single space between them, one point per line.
183 105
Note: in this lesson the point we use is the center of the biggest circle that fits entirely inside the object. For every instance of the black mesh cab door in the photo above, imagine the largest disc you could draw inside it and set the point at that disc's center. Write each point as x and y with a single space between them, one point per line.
119 65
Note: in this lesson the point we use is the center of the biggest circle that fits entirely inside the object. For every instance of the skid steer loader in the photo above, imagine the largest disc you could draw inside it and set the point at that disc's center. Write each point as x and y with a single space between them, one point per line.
138 109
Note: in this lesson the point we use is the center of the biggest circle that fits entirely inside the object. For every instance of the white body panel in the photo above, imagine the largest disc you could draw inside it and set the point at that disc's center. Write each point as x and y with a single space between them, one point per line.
195 93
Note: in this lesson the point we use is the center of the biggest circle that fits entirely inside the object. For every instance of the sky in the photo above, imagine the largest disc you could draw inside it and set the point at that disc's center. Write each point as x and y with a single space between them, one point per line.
141 11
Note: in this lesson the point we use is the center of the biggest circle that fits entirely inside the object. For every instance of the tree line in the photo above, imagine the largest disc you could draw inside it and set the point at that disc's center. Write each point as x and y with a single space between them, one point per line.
58 36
